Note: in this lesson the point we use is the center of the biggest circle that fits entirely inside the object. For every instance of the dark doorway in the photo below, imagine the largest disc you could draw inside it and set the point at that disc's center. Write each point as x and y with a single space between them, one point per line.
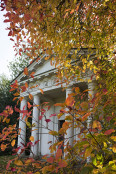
61 137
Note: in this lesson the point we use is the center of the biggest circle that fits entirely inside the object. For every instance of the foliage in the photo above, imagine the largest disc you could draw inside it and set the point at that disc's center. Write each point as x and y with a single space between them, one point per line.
65 29
6 105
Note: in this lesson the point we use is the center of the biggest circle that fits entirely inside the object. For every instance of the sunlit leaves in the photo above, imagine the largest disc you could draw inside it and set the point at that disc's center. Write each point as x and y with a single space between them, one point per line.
3 147
97 124
31 138
62 28
18 162
70 101
54 133
108 132
31 96
13 143
113 138
26 71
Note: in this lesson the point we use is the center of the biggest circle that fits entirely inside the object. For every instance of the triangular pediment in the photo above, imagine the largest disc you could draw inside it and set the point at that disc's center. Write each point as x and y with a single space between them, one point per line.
40 67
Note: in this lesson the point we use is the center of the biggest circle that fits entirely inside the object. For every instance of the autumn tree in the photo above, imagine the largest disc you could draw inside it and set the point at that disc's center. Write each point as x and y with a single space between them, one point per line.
62 29
6 104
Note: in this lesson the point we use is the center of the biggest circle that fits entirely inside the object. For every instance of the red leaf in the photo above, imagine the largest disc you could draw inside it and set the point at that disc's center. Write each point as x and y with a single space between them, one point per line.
58 153
37 141
62 163
32 74
47 120
11 39
8 164
40 117
6 20
108 132
10 33
13 169
108 118
23 88
50 160
52 115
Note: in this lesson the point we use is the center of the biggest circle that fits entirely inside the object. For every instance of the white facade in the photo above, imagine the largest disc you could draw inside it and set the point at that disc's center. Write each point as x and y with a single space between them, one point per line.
45 79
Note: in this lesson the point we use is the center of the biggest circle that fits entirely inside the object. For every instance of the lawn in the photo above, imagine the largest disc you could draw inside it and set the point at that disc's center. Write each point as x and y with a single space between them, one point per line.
3 162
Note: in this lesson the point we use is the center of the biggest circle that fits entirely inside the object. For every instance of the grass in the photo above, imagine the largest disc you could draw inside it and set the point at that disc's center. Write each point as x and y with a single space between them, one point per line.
3 162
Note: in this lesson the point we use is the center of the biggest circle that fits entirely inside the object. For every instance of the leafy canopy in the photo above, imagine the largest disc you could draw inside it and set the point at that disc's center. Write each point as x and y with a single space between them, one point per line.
63 28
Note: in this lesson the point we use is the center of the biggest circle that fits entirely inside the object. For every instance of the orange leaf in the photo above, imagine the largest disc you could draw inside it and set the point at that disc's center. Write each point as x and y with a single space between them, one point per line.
31 138
77 90
65 125
26 71
29 105
77 7
3 147
86 116
32 74
26 84
70 100
30 96
41 90
13 143
72 11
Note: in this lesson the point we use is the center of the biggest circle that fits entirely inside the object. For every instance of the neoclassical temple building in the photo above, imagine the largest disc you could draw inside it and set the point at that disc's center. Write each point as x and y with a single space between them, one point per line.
45 79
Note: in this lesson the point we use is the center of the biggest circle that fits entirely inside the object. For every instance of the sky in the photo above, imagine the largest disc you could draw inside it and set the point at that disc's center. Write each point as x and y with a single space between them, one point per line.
7 53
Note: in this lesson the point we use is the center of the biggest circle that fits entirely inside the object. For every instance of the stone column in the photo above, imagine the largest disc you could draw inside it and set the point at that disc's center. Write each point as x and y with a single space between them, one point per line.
22 126
91 92
35 128
70 131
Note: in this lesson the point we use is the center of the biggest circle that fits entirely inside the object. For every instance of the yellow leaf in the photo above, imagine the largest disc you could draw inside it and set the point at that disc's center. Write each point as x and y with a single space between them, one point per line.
28 161
7 120
18 162
13 143
54 133
113 138
97 124
88 152
105 145
114 148
60 115
31 138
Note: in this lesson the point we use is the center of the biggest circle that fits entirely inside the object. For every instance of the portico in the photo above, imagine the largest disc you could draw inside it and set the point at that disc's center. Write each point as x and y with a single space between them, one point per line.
45 82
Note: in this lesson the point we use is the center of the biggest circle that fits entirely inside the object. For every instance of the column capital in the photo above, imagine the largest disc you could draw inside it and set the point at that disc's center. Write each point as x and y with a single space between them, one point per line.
69 89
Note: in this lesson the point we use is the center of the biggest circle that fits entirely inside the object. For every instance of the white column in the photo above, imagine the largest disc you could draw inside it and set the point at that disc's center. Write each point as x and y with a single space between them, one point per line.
22 126
70 130
35 123
91 92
